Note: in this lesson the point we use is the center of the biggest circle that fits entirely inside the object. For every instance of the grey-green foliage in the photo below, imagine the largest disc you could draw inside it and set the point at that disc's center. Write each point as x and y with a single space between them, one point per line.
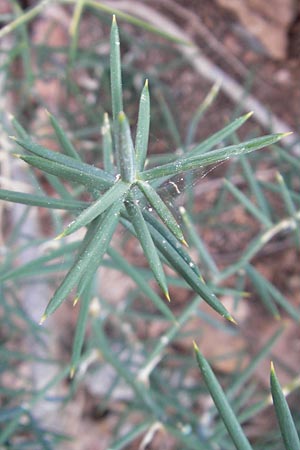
126 192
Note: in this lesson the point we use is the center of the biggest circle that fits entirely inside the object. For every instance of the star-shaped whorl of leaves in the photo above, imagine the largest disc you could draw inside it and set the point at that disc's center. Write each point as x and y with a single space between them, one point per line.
122 190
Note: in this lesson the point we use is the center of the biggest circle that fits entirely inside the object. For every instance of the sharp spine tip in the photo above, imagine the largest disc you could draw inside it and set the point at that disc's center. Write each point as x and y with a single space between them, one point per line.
43 318
167 295
60 236
231 319
185 243
195 346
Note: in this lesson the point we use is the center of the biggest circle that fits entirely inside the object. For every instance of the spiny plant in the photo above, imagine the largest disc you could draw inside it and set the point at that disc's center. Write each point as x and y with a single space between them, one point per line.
122 190
126 192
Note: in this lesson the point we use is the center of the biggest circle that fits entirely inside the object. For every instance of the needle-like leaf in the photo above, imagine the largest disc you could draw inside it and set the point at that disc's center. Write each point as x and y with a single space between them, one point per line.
43 201
125 150
91 257
289 204
261 288
198 243
222 404
254 185
215 156
248 205
67 161
87 178
21 132
147 244
187 272
143 126
161 209
63 139
80 329
138 278
108 159
74 28
32 266
115 73
219 136
199 113
166 235
115 193
287 427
